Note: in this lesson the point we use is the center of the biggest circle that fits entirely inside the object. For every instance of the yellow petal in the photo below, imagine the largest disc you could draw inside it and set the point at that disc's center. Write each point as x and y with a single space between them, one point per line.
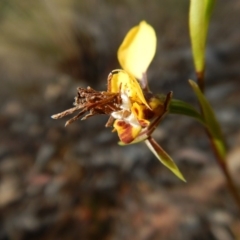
138 49
138 110
142 112
121 81
126 132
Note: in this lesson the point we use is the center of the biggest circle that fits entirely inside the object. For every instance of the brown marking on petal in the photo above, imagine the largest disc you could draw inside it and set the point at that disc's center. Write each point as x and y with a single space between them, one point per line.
125 134
143 123
121 124
136 110
148 114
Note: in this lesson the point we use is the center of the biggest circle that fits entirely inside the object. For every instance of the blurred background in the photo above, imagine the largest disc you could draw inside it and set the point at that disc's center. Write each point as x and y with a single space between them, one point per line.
60 183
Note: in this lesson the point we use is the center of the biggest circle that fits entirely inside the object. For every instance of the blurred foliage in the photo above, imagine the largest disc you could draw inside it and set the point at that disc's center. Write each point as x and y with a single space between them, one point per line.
53 185
80 37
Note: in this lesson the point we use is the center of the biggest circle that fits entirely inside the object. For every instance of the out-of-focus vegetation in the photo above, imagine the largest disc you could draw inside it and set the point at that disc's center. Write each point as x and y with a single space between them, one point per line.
81 35
76 183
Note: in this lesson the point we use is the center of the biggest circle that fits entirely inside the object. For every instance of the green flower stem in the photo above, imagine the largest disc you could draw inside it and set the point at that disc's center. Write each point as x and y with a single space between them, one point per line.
218 143
199 17
211 122
224 167
213 130
200 80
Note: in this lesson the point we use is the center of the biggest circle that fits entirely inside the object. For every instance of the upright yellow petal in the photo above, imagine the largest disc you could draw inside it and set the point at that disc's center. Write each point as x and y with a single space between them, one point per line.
138 49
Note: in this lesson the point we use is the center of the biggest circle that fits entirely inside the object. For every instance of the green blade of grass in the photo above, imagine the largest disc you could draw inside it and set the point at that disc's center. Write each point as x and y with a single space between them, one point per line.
199 17
183 108
210 119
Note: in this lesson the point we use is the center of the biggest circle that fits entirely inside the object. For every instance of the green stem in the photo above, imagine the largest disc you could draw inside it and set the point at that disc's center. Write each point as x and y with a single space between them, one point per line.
213 132
220 160
200 80
224 167
219 157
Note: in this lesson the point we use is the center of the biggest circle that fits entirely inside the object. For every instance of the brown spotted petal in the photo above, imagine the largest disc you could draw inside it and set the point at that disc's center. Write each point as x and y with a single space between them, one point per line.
126 132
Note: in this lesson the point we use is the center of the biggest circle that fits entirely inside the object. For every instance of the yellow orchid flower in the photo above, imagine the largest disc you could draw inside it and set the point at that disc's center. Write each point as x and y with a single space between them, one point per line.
134 111
139 115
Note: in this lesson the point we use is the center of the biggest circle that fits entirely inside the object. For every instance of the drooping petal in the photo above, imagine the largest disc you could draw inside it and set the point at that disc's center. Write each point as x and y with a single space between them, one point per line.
163 157
138 49
126 132
121 81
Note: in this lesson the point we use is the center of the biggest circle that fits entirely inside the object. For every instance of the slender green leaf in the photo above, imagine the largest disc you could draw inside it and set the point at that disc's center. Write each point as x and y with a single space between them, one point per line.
163 157
210 120
183 108
199 17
